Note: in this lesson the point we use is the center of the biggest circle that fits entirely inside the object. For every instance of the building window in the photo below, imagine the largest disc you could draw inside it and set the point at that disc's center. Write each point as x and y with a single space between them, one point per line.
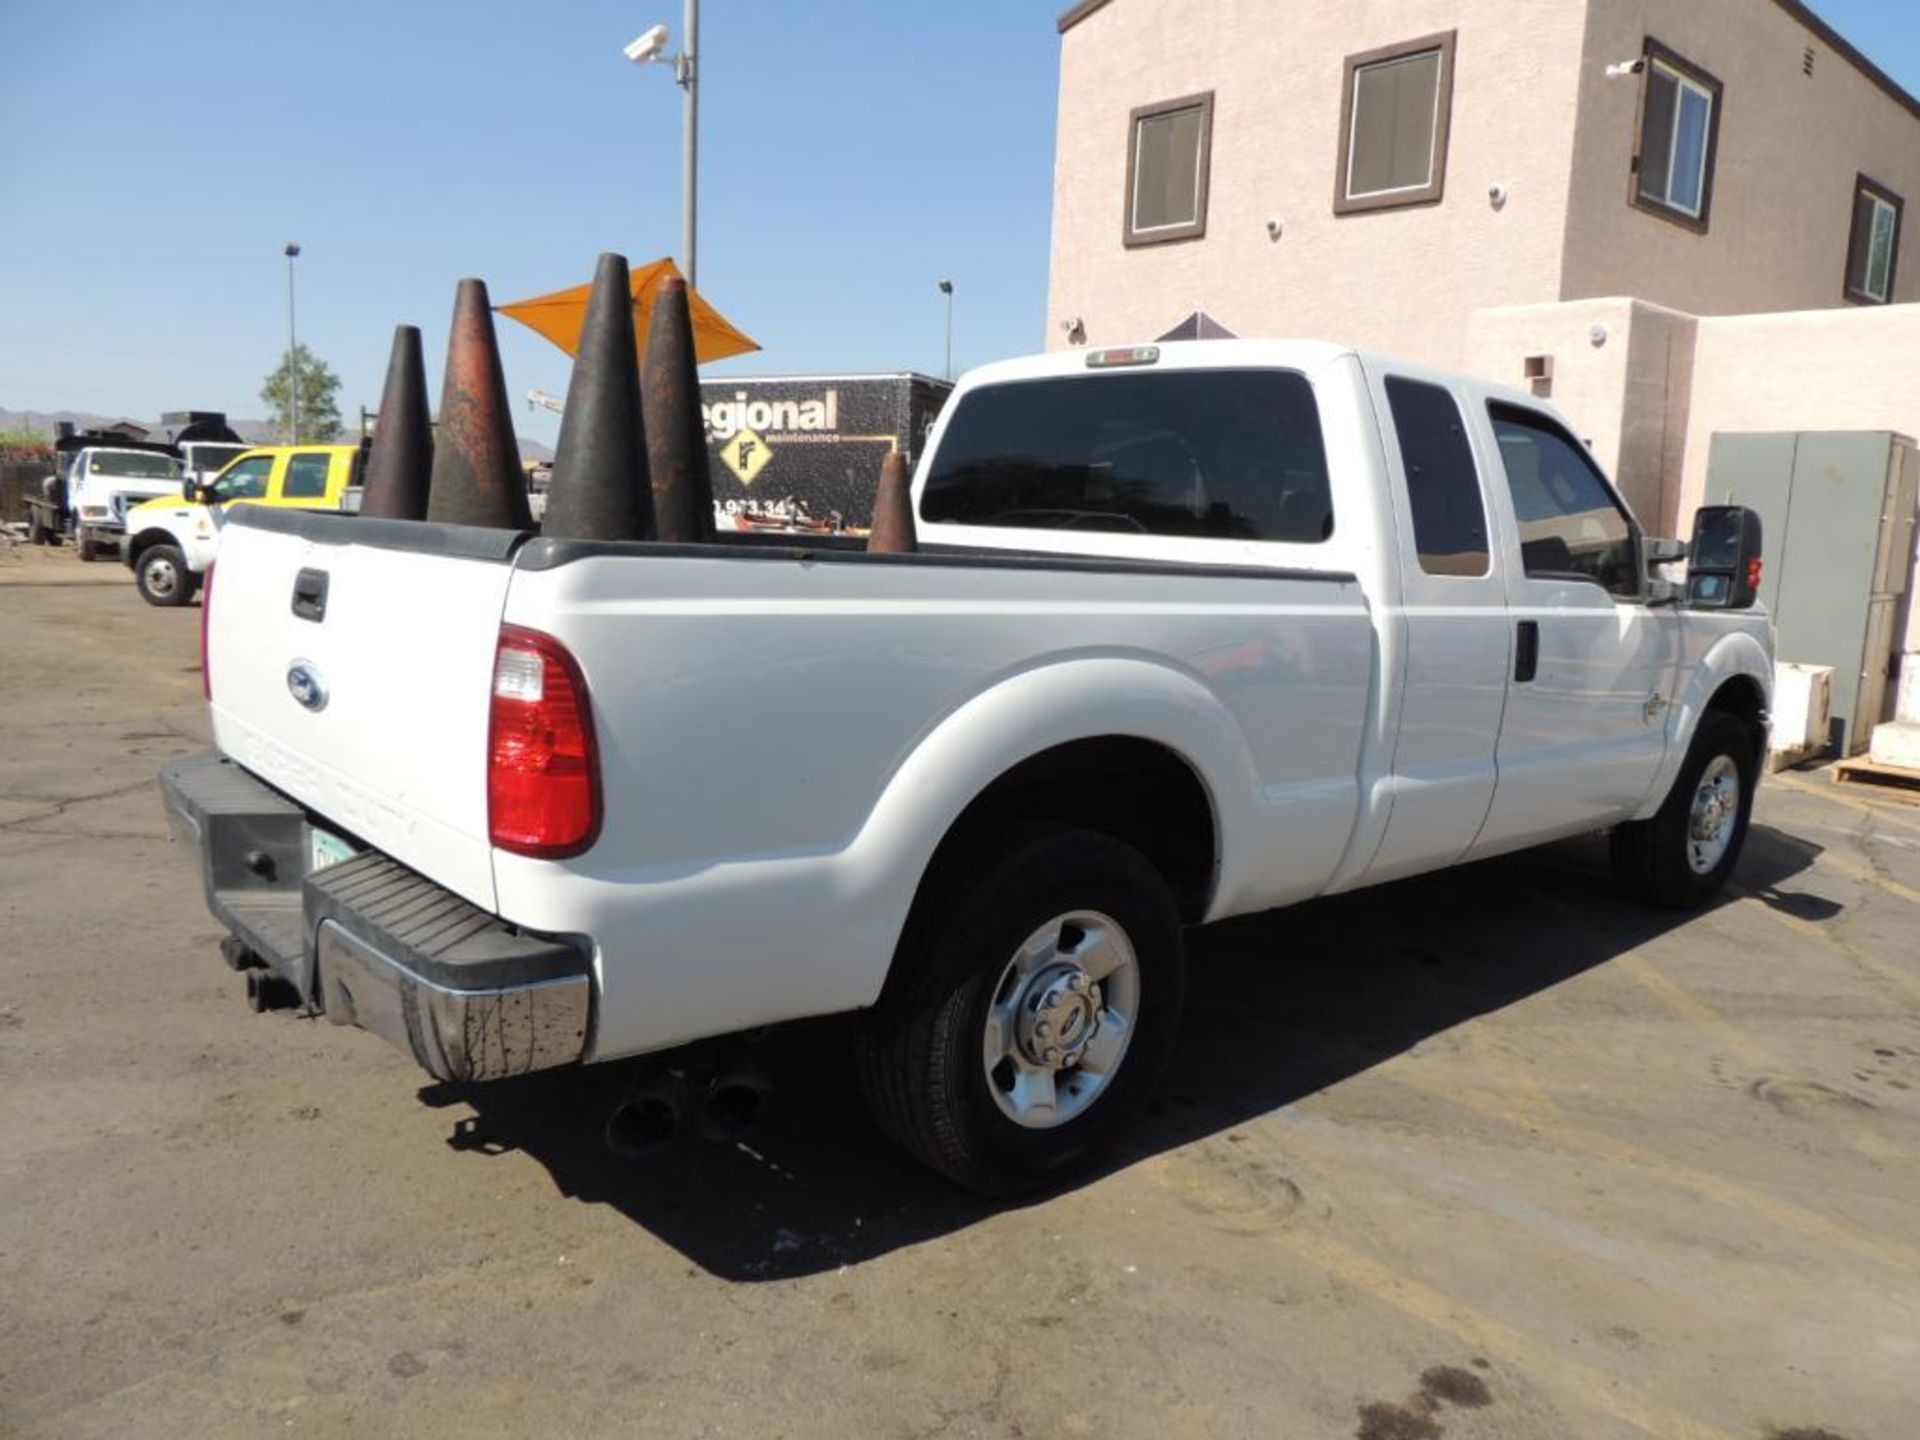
1167 156
1874 245
1679 133
1394 114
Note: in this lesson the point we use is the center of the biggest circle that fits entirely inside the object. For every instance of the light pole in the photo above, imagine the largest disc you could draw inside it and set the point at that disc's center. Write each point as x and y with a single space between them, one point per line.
946 289
293 362
650 48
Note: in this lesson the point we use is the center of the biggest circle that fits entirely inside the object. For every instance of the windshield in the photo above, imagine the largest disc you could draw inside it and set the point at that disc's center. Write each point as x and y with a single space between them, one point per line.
209 458
133 465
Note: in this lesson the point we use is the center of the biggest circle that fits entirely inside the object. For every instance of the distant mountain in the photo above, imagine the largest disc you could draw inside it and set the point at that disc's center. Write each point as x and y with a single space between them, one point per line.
254 432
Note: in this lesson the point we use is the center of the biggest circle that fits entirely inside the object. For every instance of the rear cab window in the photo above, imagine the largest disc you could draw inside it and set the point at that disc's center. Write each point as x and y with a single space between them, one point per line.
1198 454
1572 526
306 476
1443 484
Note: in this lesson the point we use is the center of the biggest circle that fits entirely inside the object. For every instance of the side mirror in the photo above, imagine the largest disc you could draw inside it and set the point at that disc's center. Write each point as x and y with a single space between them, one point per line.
1723 562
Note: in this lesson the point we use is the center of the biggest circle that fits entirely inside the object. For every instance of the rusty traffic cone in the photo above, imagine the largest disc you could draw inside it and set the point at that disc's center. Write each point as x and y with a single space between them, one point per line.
892 532
401 461
477 478
600 489
676 435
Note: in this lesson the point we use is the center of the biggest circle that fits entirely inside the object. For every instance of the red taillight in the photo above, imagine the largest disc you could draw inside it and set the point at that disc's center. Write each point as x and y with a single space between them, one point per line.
206 610
1753 573
543 775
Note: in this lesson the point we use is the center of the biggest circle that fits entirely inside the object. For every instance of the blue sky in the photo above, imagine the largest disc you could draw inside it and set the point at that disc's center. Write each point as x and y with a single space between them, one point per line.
156 157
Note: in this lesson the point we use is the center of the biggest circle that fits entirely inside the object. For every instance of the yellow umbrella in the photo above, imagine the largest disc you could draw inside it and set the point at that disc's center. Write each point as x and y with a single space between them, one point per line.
560 315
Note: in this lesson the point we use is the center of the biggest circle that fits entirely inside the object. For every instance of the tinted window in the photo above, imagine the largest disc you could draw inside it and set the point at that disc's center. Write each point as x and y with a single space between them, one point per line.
306 477
1449 521
1570 523
244 479
1224 454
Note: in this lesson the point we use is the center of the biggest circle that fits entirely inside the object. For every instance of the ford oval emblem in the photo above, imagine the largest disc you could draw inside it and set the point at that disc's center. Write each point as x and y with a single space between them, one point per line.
306 686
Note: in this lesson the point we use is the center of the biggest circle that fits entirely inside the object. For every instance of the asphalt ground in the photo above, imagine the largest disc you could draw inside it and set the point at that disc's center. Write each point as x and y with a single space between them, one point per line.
1489 1154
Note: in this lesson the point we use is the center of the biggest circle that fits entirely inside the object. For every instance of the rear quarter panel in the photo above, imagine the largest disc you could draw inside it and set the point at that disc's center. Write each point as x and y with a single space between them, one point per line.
784 742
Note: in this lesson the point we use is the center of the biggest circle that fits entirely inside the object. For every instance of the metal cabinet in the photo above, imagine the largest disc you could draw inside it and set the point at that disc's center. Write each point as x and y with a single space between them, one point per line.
1837 509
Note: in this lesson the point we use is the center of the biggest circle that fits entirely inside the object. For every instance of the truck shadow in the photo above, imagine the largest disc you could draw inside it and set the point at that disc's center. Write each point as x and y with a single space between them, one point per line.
1281 1005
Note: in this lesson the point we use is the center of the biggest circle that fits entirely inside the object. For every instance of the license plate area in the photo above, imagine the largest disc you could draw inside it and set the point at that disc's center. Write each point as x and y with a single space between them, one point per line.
325 848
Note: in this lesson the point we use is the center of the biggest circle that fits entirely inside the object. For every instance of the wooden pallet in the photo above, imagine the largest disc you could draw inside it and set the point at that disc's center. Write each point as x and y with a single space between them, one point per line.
1894 779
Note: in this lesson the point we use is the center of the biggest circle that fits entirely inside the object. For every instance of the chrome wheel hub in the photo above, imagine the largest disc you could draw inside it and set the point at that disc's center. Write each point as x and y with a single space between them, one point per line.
1061 1018
1711 819
161 577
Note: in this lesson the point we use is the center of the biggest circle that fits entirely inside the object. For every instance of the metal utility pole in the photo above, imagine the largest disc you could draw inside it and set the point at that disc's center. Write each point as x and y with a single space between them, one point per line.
293 367
688 76
946 289
650 48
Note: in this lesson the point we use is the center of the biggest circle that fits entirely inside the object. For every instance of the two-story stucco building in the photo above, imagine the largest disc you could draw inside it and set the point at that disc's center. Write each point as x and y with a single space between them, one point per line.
1673 216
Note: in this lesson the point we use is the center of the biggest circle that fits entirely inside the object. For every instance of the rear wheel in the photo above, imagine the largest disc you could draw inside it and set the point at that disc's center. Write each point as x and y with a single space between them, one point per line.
1681 857
1033 1008
162 576
36 528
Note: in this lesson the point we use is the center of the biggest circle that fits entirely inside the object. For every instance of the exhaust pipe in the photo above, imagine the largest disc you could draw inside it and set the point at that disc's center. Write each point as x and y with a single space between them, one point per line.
649 1119
267 991
734 1103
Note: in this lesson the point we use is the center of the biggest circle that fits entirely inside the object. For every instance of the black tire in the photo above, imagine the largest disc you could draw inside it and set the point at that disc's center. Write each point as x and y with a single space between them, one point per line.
36 528
920 1050
162 577
1651 858
84 545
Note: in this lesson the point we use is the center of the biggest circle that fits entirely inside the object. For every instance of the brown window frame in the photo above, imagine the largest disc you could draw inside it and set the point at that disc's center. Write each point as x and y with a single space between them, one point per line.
1652 50
1435 189
1169 234
1864 182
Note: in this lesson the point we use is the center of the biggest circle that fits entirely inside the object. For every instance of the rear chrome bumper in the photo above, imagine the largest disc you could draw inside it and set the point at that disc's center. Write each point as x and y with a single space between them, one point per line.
370 943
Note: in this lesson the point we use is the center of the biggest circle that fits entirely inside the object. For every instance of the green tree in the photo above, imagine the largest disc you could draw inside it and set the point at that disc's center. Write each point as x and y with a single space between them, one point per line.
318 390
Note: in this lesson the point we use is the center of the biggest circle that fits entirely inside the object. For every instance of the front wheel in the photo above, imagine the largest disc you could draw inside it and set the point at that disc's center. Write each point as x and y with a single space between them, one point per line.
162 576
1681 857
1033 1009
84 545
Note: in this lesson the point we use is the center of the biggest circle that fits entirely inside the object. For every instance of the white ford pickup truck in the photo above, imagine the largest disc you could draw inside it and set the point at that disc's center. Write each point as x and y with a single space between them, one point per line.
1194 630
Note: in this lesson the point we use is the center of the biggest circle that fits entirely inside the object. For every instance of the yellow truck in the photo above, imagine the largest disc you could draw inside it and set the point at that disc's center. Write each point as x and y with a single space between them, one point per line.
170 543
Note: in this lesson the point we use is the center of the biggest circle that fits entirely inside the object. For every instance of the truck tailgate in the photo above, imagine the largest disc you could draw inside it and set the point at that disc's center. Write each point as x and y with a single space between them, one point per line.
350 663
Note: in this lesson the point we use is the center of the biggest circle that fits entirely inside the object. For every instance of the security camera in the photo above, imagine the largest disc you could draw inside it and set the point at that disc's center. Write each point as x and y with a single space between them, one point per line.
1621 69
1276 227
649 47
1497 194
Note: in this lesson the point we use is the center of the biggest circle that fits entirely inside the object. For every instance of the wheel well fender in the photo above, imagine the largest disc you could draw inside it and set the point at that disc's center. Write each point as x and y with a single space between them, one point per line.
1734 676
1038 745
153 535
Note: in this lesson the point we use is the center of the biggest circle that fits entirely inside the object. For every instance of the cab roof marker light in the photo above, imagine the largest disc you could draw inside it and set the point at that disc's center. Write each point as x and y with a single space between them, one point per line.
1122 355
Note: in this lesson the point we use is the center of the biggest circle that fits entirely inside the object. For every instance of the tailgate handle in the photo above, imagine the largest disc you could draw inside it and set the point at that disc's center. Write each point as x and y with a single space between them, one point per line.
310 595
